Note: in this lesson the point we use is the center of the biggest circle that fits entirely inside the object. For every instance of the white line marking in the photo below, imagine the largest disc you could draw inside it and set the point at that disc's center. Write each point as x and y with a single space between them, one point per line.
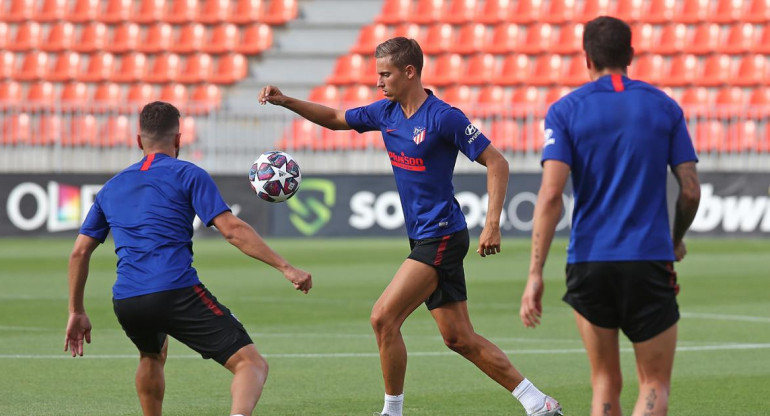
717 316
720 347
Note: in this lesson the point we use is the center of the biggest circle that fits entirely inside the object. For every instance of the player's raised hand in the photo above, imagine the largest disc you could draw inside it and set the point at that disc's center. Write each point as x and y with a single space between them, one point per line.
489 241
78 328
271 94
301 279
531 302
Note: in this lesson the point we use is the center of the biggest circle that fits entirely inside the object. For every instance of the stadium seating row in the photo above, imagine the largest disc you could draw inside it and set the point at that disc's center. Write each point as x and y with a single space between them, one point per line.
273 12
132 67
132 37
504 38
73 130
560 11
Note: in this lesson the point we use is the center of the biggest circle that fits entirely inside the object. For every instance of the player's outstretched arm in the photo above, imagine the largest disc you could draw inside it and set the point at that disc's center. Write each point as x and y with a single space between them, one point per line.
78 324
686 204
319 114
497 184
242 235
547 212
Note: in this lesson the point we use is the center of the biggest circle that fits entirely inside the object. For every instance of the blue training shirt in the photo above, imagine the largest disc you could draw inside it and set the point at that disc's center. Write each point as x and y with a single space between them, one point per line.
150 207
423 152
619 136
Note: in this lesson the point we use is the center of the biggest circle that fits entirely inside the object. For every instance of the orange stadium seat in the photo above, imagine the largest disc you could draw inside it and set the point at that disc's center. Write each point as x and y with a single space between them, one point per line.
246 12
107 97
706 39
52 11
717 71
559 11
230 68
555 93
410 31
82 131
33 67
695 101
192 38
643 38
758 11
182 11
630 11
743 136
505 134
481 69
648 68
660 11
150 11
66 67
762 46
7 64
369 37
328 95
491 100
280 12
197 68
526 100
116 11
18 11
5 35
158 38
349 69
506 38
682 70
446 69
592 9
40 94
471 38
438 39
189 134
93 38
726 11
570 39
140 94
709 136
214 12
515 70
548 70
224 38
165 68
729 102
460 11
100 67
357 95
525 12
61 37
132 68
759 103
427 11
125 38
741 38
28 37
204 98
16 129
672 40
256 38
84 11
338 140
753 71
394 11
460 96
116 131
693 11
577 72
494 12
74 95
48 130
175 94
538 39
10 94
301 135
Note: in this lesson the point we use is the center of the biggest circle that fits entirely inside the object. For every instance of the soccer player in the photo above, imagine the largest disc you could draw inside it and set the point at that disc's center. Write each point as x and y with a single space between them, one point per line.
617 137
150 207
423 135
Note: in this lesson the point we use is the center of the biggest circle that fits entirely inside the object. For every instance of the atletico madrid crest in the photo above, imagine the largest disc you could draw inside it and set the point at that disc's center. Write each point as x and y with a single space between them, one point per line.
419 135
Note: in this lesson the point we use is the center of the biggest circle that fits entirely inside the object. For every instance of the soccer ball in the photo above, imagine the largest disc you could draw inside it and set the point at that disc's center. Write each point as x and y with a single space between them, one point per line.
275 176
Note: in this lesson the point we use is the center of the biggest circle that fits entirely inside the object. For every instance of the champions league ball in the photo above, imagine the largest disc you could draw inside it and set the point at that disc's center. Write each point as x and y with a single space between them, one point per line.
275 176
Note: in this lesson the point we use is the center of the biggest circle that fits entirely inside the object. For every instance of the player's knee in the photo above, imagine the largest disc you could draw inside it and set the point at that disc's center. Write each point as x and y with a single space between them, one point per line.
380 322
459 344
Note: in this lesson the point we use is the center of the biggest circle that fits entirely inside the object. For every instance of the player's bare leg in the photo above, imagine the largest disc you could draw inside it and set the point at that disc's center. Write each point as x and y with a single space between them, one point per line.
411 286
603 351
249 374
150 381
456 329
654 361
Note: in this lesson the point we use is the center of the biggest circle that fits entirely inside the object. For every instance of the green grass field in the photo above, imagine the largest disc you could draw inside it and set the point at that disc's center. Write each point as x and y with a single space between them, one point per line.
322 353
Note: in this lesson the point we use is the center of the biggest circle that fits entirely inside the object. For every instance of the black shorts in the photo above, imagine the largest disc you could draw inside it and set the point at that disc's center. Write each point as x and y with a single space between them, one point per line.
191 315
446 254
638 297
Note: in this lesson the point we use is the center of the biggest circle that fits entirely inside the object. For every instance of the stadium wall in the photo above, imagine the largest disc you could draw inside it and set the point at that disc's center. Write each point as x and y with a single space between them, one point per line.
41 205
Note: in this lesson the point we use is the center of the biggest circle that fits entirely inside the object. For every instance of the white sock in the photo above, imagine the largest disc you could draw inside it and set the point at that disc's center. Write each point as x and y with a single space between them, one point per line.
237 415
529 396
393 405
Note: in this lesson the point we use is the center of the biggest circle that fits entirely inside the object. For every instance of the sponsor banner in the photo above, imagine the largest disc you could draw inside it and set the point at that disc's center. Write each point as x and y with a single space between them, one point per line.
732 204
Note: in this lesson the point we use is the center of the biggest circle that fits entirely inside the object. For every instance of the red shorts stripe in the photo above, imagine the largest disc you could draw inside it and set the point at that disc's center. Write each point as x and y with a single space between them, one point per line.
148 162
441 249
207 301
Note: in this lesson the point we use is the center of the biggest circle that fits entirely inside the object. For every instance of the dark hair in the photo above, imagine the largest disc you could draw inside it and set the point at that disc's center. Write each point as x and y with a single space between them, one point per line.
607 42
159 119
402 52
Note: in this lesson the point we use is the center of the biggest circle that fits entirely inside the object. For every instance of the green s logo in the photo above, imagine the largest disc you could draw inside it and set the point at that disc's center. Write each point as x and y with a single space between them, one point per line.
310 214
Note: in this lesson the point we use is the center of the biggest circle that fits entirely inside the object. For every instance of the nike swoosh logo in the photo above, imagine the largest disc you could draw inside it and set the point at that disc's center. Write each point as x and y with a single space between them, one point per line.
390 130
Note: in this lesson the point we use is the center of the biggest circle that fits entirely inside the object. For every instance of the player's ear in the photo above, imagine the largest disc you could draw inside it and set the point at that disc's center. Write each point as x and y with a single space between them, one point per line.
178 140
411 71
630 57
139 141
